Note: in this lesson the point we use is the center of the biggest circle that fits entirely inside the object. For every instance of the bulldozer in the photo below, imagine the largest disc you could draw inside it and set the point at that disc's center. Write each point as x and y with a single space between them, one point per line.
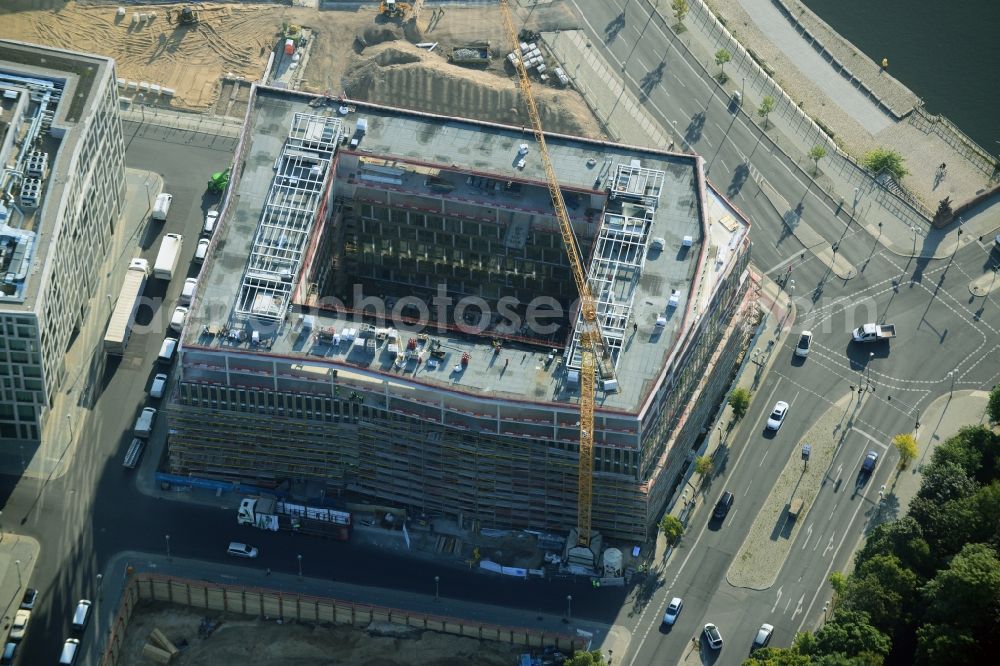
218 182
393 9
186 15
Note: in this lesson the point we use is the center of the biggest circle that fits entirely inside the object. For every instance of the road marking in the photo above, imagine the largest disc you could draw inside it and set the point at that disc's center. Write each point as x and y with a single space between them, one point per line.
833 511
871 438
643 65
829 545
787 604
777 600
798 607
763 457
731 517
809 532
691 551
748 489
723 163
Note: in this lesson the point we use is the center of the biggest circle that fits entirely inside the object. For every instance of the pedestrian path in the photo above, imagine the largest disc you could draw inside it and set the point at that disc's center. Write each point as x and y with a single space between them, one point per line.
18 556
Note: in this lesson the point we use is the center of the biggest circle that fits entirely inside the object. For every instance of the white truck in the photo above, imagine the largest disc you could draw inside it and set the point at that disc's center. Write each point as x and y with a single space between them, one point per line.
166 259
874 332
267 513
144 424
162 206
120 326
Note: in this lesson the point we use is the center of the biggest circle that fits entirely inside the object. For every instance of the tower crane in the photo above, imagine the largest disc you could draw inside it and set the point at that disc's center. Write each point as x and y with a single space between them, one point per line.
594 354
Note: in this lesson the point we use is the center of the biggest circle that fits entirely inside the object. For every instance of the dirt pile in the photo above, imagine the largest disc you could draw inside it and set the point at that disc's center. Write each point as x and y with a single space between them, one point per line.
400 74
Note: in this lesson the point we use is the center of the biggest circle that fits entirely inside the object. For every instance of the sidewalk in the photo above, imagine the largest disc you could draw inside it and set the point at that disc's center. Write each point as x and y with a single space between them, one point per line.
84 361
18 555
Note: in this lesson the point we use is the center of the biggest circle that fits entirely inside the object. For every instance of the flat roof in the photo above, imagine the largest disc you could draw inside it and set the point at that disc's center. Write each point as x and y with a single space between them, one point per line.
681 238
56 87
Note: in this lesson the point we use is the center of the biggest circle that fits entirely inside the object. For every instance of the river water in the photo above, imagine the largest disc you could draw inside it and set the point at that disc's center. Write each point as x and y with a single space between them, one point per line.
945 52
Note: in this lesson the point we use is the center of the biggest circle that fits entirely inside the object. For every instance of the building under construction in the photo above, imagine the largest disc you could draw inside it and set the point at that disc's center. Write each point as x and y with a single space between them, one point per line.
387 310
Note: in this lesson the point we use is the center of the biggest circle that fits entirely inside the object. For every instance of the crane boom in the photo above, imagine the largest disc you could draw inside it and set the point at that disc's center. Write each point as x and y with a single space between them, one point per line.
593 349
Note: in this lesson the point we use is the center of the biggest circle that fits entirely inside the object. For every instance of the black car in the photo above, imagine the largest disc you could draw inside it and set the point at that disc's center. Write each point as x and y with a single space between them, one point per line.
723 505
28 600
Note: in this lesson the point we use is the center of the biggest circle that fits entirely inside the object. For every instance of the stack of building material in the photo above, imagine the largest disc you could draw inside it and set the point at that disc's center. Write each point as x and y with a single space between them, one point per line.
159 648
530 54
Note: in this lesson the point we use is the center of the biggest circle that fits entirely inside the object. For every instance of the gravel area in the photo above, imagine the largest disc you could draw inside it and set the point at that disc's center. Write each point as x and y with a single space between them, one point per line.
766 547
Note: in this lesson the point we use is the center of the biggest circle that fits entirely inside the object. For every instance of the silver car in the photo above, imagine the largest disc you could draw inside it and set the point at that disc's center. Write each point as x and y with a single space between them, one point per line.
713 636
673 610
763 637
777 416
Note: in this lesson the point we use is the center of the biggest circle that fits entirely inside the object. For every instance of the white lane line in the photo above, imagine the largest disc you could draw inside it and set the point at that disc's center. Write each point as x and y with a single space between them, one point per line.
777 600
747 491
871 438
643 65
691 551
809 533
763 457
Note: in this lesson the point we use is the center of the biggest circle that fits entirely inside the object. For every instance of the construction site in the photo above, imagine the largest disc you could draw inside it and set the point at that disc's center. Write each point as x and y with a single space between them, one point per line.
457 298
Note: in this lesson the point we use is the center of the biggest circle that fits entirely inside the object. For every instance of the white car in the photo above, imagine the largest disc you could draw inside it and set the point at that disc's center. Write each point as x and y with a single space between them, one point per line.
713 636
158 386
237 549
178 318
210 220
673 610
201 251
777 416
187 291
802 349
20 624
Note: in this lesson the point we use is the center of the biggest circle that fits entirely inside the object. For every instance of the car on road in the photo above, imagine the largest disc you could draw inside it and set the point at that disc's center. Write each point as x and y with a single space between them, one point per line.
762 638
29 599
9 650
237 549
81 615
723 505
201 251
673 610
868 464
20 624
713 636
69 651
178 318
805 339
157 387
187 291
777 416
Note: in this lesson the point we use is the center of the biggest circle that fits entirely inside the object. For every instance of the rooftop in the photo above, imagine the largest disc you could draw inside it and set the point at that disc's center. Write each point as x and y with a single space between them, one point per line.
664 240
44 92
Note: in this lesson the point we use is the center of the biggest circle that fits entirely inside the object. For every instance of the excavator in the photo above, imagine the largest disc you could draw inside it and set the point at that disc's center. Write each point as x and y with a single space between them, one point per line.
595 357
186 15
218 182
400 10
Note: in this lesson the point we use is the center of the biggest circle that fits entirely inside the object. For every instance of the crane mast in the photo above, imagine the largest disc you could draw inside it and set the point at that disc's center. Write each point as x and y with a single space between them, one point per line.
594 355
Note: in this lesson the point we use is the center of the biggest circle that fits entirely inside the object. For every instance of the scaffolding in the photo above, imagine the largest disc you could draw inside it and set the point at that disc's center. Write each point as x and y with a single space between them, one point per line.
619 255
294 198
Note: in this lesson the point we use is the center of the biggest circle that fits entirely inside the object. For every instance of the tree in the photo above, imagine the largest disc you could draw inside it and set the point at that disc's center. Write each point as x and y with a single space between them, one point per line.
906 444
594 658
739 400
680 8
993 406
672 528
838 581
976 449
960 614
903 538
816 153
766 107
884 159
703 465
851 633
722 56
884 589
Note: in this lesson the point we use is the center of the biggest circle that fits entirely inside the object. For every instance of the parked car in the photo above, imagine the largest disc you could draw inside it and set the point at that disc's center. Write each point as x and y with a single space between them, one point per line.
9 650
29 599
673 610
802 349
201 251
19 625
158 386
210 219
713 636
237 549
777 416
187 291
81 615
723 505
762 638
178 318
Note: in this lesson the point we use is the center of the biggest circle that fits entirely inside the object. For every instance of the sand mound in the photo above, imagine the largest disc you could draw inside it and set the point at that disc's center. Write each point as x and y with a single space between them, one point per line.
377 34
403 75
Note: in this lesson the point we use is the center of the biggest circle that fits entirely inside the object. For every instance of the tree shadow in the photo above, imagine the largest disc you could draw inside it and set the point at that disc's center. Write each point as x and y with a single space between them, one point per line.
612 29
650 80
694 129
740 175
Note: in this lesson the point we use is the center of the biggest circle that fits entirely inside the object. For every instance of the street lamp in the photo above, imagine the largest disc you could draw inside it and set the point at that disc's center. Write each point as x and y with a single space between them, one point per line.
914 230
167 538
569 606
299 557
17 563
951 375
100 579
871 360
437 579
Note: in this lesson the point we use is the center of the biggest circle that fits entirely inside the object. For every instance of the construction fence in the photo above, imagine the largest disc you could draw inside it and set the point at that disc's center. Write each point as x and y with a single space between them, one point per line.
259 602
